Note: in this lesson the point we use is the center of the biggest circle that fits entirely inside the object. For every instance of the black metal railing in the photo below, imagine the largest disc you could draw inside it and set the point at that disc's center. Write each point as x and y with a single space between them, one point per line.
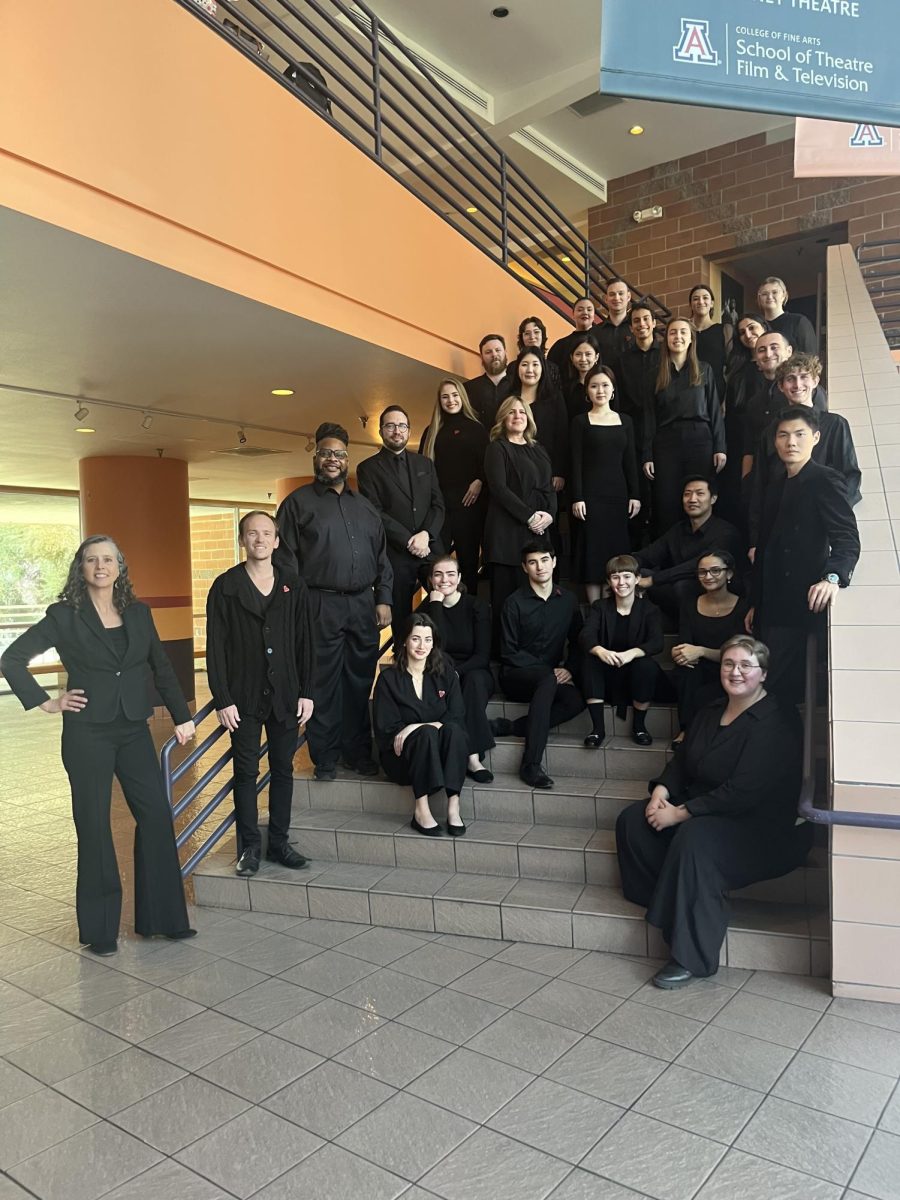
341 60
879 263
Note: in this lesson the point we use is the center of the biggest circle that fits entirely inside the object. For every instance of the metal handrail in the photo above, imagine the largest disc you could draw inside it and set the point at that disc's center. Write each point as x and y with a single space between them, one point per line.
389 104
806 807
885 296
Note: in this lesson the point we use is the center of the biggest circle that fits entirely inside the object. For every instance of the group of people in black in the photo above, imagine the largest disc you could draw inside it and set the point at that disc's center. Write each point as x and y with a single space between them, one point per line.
708 490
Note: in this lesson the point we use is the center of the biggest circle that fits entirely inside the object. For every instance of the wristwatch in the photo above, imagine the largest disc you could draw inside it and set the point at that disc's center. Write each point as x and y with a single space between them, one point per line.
832 578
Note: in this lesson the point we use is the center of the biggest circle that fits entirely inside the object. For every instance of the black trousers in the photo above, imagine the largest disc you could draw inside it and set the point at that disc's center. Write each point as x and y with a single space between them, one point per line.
504 581
681 874
477 688
637 680
678 450
345 663
92 755
670 597
432 759
245 742
549 703
786 677
696 687
408 575
463 529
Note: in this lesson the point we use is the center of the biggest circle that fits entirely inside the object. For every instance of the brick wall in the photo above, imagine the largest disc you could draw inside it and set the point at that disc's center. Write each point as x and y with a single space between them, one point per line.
724 200
212 552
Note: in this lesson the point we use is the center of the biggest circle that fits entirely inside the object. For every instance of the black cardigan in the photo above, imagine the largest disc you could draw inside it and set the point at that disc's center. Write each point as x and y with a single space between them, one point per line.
516 490
644 626
240 669
110 682
396 704
465 631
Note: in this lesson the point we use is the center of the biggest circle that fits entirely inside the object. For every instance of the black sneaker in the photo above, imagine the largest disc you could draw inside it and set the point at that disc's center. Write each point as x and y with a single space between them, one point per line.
287 856
501 727
248 863
325 774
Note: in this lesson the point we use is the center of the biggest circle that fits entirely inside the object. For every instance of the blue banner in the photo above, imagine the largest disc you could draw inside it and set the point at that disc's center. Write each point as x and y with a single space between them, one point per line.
834 59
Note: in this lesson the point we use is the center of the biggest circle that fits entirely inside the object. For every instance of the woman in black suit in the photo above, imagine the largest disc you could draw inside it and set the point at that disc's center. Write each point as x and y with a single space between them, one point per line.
420 725
619 638
464 623
720 816
107 642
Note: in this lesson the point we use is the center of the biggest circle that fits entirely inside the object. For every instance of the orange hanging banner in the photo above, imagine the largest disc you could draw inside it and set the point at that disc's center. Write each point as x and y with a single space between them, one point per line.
835 148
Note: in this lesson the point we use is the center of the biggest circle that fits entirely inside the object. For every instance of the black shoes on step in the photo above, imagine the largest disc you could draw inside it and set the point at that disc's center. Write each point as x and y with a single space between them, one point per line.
673 975
248 863
534 775
286 856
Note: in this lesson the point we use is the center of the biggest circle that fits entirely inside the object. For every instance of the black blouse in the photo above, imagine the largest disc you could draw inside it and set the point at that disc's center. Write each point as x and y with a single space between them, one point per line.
696 629
396 704
465 630
685 401
458 455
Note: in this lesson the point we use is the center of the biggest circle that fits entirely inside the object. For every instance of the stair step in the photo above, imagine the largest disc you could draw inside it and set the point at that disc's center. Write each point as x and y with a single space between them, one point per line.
782 937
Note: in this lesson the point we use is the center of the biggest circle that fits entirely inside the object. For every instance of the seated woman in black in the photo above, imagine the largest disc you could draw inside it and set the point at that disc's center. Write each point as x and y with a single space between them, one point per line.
419 724
720 816
705 624
620 636
464 624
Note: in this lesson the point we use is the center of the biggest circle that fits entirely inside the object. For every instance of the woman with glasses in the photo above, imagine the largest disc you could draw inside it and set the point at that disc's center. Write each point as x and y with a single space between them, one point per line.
722 815
705 624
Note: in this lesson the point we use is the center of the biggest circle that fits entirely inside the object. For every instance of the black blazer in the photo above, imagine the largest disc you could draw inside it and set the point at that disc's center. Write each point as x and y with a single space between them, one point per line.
402 512
238 638
92 663
644 626
513 497
396 704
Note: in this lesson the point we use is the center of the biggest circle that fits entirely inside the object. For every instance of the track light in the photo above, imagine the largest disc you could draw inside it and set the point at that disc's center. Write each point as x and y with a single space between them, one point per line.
81 412
242 437
147 421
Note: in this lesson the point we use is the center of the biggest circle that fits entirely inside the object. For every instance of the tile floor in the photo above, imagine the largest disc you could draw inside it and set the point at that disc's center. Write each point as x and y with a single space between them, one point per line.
279 1058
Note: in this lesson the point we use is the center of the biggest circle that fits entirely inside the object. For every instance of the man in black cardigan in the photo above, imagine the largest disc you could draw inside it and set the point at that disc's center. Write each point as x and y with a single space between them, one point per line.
404 489
259 644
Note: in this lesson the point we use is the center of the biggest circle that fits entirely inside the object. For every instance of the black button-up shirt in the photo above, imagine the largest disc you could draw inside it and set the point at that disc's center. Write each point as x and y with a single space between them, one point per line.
485 396
335 541
675 555
685 401
534 631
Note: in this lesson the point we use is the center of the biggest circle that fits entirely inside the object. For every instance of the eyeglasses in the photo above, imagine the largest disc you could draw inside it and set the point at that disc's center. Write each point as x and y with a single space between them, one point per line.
396 427
743 667
714 571
340 455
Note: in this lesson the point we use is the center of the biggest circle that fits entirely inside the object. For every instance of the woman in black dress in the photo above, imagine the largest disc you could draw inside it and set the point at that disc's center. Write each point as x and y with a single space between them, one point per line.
713 338
521 500
532 385
683 428
605 486
742 376
106 640
621 635
419 722
720 816
456 441
705 624
464 623
584 357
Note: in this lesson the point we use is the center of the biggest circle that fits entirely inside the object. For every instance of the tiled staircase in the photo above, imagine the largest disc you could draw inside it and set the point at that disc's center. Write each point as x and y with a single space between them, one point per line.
534 866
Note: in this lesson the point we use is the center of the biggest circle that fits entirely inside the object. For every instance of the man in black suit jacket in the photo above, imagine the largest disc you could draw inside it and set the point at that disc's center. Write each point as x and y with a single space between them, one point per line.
404 489
808 548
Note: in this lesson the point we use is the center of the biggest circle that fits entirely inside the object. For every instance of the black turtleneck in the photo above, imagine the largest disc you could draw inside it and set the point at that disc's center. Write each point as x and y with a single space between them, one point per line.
458 454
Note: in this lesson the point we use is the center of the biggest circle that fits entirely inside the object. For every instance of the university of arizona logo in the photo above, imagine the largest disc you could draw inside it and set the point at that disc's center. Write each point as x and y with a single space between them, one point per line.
866 136
694 45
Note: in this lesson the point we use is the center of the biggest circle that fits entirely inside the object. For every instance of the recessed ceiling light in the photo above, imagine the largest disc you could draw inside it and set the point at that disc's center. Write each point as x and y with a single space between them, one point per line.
85 429
282 391
636 130
500 12
471 209
564 258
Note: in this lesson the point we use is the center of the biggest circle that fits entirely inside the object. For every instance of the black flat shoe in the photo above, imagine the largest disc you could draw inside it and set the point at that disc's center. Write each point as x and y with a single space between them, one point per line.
103 949
456 830
641 737
325 774
594 741
286 856
482 776
535 777
248 863
501 727
363 766
180 935
434 831
673 975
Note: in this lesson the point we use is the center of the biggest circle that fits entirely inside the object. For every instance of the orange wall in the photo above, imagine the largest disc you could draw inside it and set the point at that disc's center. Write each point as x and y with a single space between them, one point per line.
154 135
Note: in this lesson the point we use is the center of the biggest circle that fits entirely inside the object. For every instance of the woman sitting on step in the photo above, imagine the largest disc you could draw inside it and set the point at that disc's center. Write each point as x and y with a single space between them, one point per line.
722 815
420 725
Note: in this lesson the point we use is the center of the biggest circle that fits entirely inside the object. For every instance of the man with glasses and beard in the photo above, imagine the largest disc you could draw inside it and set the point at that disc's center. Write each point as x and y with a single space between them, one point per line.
335 539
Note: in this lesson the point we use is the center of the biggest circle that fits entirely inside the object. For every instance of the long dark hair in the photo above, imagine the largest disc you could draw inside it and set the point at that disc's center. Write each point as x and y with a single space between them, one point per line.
436 663
664 375
544 384
74 592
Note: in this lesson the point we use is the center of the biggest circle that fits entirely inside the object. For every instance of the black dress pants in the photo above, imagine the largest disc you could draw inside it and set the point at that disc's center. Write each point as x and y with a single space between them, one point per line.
463 529
477 688
432 759
408 575
92 755
681 874
245 742
786 678
549 703
637 680
696 686
346 658
678 450
505 580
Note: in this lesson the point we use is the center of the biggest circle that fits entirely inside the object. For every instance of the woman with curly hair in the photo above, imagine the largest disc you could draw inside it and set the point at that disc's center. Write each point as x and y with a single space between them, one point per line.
106 640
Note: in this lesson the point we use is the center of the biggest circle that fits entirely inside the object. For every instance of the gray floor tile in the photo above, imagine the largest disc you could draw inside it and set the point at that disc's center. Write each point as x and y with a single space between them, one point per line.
499 983
387 993
335 1174
114 1084
10 1190
269 1003
700 1104
381 946
454 1016
742 1176
556 1119
654 1158
395 1054
569 1004
147 1014
650 1030
87 1165
470 1084
329 972
67 1052
200 1039
179 1114
169 961
329 1027
546 960
437 963
484 947
804 990
15 1084
27 1023
231 935
835 1088
820 1145
277 922
492 1165
167 1181
329 1099
215 982
88 997
606 1071
583 1185
249 1152
406 1135
55 973
259 1068
701 1001
609 973
890 1119
37 1122
326 933
878 1173
736 1058
274 954
525 1042
867 1012
771 1020
865 1046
